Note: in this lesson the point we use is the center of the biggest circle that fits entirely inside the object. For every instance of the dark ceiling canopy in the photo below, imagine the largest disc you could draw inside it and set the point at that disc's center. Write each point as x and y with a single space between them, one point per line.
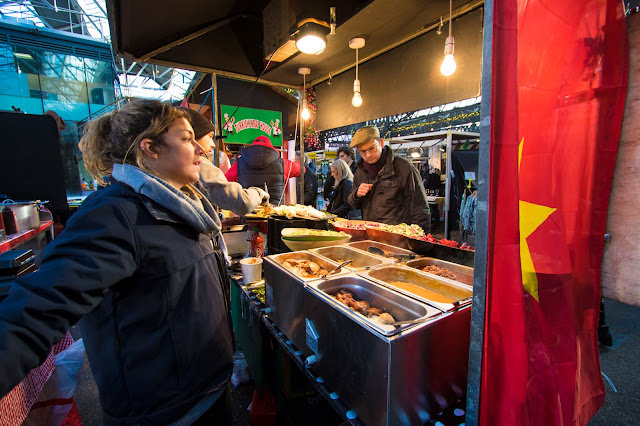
228 37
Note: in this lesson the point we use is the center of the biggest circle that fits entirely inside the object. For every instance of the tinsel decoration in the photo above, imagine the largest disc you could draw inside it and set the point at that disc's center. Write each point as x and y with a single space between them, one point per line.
311 139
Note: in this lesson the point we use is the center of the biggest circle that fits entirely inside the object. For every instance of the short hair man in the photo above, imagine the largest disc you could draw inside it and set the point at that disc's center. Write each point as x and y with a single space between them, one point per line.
387 188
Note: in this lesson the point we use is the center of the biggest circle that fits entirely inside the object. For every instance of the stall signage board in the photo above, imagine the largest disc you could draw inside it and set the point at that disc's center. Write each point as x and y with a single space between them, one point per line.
249 123
330 155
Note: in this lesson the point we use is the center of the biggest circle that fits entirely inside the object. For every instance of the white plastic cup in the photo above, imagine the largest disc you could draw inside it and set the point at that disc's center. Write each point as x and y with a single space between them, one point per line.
251 268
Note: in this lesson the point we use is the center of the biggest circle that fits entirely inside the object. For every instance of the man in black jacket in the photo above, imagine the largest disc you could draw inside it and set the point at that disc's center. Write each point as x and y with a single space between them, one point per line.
260 164
310 184
387 188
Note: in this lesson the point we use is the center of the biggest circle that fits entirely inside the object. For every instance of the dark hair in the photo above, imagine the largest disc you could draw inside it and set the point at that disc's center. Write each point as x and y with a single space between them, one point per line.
115 138
347 151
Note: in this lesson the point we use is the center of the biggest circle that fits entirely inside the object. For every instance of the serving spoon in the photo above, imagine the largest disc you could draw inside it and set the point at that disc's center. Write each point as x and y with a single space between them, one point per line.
345 263
399 256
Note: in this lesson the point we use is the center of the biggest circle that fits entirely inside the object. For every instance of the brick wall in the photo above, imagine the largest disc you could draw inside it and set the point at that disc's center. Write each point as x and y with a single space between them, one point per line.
621 262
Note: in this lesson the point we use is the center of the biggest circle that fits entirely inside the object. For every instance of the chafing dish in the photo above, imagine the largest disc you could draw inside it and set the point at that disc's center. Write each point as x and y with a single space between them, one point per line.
361 259
386 377
364 245
440 292
323 262
285 294
464 274
400 307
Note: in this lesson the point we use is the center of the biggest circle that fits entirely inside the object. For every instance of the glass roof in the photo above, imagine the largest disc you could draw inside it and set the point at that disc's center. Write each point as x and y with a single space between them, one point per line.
89 17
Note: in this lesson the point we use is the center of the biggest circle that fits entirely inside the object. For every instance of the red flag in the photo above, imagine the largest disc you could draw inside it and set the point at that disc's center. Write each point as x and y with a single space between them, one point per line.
559 73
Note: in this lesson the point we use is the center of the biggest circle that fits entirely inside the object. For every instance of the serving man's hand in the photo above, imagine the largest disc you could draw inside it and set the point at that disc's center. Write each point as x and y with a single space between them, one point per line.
363 189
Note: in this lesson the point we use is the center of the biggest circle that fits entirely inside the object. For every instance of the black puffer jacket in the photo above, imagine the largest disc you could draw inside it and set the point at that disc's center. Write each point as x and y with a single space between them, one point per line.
339 204
156 325
397 196
259 165
310 188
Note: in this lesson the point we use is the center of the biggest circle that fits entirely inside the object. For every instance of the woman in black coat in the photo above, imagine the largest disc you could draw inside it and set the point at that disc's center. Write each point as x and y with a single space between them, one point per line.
338 203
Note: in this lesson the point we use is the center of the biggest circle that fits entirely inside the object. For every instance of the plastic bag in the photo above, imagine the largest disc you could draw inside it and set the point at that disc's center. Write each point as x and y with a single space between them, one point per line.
240 374
54 402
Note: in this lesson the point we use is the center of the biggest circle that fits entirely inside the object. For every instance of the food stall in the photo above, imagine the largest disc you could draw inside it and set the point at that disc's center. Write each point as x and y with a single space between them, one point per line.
391 362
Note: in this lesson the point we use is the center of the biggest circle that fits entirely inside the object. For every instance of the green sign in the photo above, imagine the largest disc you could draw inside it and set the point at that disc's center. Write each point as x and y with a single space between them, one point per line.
248 123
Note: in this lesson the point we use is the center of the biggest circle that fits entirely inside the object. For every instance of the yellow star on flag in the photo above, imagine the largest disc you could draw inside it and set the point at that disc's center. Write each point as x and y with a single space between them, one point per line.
531 217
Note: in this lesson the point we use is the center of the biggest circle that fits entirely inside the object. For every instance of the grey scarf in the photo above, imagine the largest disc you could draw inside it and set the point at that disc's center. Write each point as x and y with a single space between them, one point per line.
189 209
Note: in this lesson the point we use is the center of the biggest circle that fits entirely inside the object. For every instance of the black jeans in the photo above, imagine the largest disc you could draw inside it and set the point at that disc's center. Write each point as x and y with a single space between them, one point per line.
221 413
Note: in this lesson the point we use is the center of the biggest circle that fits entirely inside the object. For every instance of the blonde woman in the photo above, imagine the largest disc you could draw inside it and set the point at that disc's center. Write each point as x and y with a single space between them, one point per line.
343 177
138 268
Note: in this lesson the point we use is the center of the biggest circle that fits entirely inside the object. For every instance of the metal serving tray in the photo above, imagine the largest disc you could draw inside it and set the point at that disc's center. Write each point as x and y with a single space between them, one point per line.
363 245
361 259
397 379
400 307
323 262
464 274
440 292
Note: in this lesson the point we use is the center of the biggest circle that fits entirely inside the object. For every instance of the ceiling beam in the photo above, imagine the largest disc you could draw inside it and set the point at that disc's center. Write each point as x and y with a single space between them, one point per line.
195 34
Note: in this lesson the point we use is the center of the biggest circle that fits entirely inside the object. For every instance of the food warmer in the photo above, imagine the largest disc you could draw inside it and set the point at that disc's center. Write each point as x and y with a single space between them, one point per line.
463 274
388 249
386 374
361 260
443 293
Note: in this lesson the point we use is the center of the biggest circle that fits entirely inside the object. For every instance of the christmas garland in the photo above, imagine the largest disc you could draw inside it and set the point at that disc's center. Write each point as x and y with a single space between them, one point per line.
310 136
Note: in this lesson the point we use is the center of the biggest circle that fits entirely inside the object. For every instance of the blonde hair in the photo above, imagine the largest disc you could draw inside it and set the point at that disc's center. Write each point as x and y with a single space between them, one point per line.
115 138
344 172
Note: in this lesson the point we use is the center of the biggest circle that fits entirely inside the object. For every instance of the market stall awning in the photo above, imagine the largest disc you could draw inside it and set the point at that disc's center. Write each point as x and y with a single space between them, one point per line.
229 37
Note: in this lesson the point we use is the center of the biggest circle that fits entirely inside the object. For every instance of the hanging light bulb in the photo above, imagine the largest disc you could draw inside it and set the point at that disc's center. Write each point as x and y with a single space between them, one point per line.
305 106
356 43
305 110
356 101
448 66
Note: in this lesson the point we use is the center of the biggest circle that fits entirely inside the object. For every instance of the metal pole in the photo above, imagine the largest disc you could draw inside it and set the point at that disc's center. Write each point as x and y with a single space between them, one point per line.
301 149
214 118
447 186
478 310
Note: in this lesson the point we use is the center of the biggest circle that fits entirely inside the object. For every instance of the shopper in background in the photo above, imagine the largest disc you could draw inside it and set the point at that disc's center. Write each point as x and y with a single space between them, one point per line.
387 188
339 204
310 184
347 155
137 266
260 164
216 187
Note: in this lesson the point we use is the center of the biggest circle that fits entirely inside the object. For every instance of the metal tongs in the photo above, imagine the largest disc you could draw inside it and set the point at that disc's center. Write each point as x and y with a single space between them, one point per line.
399 256
337 268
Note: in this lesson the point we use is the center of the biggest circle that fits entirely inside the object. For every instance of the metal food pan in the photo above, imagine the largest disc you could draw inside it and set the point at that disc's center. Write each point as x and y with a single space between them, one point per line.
364 245
464 274
321 261
437 291
402 308
361 259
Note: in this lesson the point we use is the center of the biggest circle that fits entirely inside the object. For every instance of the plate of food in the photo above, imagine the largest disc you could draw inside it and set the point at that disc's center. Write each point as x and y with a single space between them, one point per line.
394 235
356 228
305 238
